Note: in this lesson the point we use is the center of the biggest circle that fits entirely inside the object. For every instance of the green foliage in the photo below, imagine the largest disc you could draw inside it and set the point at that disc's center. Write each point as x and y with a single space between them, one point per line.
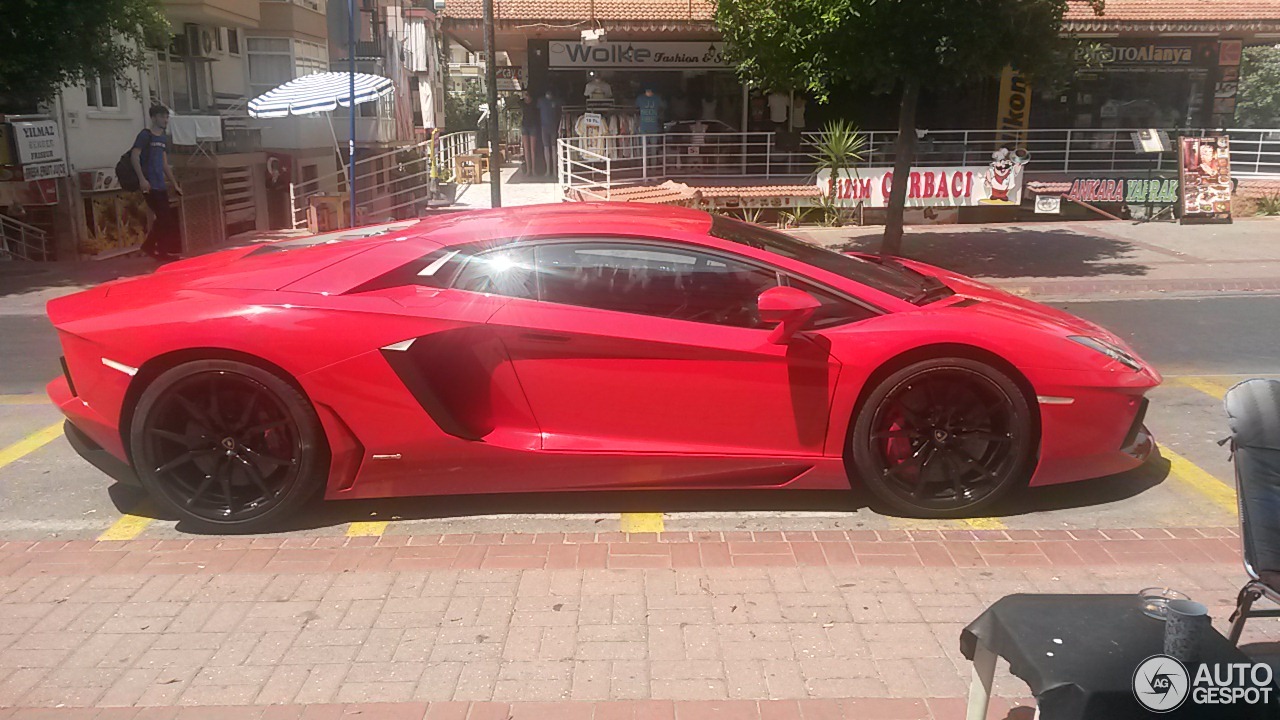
825 47
462 112
1269 205
752 215
47 44
1258 103
829 46
838 147
795 218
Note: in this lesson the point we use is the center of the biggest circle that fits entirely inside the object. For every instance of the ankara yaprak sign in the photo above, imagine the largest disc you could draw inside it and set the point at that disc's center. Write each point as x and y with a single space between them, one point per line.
637 54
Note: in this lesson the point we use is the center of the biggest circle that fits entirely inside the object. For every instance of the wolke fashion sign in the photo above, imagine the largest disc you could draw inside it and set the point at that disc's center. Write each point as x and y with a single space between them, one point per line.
997 184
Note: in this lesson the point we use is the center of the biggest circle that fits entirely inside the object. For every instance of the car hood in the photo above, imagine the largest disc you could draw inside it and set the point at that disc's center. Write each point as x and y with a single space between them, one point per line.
986 299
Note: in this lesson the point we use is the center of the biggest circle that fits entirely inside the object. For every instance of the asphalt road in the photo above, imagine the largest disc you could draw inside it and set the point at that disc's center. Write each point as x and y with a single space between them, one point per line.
1202 345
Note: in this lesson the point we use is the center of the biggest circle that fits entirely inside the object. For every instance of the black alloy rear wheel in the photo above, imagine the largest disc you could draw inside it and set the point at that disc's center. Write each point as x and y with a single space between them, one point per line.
227 446
945 437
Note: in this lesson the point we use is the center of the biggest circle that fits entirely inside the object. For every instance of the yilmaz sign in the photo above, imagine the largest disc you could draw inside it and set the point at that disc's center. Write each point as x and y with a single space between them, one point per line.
638 55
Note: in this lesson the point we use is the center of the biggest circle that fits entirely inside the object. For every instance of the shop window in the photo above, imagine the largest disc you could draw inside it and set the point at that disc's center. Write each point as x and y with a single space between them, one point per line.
102 94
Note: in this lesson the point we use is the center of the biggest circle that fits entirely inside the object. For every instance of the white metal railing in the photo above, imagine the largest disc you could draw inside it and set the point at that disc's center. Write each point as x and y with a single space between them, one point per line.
1253 152
389 185
591 165
588 173
20 241
450 146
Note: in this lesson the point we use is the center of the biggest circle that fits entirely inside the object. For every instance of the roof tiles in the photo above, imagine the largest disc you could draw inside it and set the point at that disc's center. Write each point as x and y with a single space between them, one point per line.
704 10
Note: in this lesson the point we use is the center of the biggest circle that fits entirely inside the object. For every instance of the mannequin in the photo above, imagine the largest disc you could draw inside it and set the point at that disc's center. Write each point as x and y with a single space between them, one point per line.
797 112
651 106
549 127
779 102
597 90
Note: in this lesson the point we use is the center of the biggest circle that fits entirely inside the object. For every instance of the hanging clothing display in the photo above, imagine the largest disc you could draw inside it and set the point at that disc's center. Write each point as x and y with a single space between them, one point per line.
778 104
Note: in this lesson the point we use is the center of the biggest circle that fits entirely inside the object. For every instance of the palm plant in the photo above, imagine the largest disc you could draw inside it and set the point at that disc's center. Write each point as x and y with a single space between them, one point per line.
837 149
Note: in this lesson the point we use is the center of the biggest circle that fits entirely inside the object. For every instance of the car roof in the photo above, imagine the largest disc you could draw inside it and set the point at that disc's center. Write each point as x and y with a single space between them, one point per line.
563 219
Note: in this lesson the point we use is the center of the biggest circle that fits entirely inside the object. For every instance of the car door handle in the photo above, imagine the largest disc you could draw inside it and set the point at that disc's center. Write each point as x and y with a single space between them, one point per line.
545 337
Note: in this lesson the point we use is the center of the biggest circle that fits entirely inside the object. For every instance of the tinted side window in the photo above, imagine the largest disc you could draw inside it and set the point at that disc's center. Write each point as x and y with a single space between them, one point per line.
505 271
650 280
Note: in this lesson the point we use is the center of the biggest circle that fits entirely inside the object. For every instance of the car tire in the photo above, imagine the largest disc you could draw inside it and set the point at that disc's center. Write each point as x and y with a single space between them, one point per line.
943 438
227 446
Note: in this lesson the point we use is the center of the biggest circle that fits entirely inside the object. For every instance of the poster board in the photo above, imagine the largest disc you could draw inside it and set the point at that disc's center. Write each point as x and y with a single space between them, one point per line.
1204 163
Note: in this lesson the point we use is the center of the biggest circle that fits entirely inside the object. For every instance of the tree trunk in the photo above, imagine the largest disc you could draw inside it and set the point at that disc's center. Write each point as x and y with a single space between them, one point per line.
905 154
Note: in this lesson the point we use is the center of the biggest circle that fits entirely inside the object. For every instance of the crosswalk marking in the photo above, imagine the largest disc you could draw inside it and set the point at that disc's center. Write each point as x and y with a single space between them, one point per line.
640 522
1219 493
367 529
30 444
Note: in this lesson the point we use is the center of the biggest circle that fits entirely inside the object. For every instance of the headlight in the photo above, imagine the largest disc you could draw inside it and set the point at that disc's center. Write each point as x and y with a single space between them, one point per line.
1108 349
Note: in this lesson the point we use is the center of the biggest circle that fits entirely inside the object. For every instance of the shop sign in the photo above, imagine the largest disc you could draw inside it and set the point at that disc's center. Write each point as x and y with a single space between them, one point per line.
37 141
1149 54
637 55
1205 167
999 183
510 78
1048 205
45 171
1015 107
1132 191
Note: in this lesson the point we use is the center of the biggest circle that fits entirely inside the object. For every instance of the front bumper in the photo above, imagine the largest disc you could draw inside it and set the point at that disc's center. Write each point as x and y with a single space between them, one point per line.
91 451
1100 433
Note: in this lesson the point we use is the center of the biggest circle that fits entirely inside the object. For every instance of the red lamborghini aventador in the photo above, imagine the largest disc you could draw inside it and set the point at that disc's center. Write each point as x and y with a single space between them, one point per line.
582 346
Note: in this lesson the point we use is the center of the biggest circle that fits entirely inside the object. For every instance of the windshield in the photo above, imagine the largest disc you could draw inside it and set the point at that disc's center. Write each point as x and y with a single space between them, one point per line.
890 279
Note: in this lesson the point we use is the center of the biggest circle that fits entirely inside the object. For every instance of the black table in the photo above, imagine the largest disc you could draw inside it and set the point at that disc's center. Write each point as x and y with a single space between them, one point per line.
1079 653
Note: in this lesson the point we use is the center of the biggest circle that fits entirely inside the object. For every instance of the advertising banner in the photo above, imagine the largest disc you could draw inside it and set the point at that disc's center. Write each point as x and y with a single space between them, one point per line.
1133 191
999 183
1205 167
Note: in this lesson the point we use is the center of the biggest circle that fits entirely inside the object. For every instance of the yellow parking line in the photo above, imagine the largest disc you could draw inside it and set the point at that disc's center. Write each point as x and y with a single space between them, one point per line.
24 400
367 529
640 522
986 523
127 527
983 524
30 444
1188 473
1209 387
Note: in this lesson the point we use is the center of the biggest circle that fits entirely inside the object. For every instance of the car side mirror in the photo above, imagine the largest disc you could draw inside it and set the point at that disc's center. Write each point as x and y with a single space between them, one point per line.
790 307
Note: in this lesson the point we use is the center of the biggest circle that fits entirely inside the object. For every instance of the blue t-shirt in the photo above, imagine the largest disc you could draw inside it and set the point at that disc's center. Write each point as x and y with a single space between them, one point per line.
548 114
152 159
650 114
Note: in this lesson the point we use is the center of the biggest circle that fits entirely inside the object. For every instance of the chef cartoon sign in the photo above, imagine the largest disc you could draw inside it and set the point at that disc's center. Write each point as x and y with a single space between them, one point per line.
1003 177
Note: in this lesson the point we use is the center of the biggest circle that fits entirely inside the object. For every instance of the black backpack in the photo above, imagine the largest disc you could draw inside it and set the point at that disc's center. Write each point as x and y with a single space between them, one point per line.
125 174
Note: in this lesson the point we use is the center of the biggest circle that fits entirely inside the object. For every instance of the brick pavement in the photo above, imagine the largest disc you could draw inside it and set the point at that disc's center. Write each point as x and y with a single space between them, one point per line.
836 623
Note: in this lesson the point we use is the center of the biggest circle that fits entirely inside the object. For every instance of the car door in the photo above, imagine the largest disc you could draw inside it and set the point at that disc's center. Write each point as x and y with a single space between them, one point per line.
641 347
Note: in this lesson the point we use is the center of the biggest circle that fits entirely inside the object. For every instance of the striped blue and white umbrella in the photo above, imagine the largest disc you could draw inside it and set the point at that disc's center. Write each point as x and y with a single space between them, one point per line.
320 92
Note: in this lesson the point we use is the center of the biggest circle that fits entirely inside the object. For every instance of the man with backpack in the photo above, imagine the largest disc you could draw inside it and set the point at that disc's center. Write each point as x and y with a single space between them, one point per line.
149 160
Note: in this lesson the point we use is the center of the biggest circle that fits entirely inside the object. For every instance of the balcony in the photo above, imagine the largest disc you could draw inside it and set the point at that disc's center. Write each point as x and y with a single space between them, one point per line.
234 13
297 18
369 130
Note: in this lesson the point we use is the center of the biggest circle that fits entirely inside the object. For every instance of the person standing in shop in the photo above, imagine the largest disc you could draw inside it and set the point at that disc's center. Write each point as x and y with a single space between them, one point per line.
549 127
154 179
529 124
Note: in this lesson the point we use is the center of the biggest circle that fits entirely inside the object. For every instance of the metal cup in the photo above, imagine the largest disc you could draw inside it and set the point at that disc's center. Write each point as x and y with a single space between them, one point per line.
1184 628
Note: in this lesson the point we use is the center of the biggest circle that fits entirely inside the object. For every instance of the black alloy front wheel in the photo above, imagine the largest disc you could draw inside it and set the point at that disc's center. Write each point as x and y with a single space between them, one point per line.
945 437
